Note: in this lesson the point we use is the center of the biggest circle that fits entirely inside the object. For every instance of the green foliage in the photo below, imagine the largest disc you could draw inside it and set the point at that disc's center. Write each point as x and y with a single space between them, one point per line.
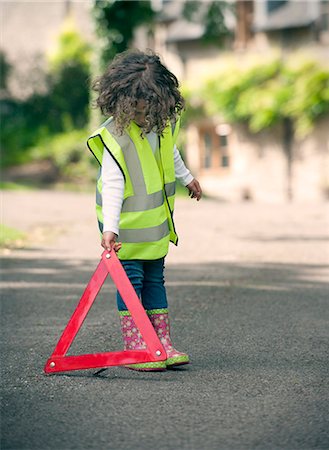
310 97
69 98
63 106
195 108
69 74
5 69
266 93
16 186
68 154
215 26
71 49
191 9
10 237
116 21
212 16
23 123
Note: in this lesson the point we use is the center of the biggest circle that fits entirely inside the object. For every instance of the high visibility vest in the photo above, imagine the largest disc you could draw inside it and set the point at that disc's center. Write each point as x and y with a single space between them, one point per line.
146 221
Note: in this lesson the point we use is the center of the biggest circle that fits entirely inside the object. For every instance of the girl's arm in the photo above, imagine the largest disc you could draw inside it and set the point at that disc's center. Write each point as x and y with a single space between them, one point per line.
112 198
185 177
182 173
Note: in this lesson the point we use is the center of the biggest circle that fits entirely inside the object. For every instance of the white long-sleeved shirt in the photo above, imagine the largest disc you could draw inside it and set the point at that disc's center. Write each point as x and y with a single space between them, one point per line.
113 184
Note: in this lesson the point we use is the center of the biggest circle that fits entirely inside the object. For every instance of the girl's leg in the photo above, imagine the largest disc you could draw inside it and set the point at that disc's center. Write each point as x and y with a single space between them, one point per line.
132 338
153 293
154 300
135 272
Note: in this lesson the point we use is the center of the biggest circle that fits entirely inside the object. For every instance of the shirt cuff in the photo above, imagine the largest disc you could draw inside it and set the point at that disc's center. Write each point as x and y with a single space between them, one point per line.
187 180
111 228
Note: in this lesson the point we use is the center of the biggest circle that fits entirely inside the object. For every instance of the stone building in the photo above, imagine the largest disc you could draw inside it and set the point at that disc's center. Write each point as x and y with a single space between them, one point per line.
30 31
232 163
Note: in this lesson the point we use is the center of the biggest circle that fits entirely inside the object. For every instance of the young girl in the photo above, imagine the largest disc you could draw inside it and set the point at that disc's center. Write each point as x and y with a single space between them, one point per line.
135 195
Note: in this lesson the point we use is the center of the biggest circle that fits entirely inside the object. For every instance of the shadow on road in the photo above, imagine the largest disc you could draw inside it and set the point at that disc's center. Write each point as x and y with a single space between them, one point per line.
256 333
218 300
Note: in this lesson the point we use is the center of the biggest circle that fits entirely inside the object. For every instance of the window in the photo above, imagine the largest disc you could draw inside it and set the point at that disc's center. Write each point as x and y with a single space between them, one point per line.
273 5
214 142
223 140
223 143
207 149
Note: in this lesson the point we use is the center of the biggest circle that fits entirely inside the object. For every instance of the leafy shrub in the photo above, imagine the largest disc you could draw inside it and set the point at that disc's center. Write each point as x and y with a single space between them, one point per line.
62 107
10 237
69 154
266 93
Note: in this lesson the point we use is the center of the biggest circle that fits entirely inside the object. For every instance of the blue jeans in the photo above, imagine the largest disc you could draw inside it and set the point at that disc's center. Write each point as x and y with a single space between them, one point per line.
147 278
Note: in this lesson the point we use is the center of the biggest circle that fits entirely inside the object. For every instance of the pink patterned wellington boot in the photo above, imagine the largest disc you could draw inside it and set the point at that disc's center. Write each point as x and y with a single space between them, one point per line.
132 340
160 321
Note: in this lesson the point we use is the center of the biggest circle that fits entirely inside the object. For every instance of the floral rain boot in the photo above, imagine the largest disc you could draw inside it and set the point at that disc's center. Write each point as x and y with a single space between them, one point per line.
160 321
132 340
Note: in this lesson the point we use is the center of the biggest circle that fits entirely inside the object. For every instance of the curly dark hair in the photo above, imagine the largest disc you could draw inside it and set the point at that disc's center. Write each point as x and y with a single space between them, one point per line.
133 76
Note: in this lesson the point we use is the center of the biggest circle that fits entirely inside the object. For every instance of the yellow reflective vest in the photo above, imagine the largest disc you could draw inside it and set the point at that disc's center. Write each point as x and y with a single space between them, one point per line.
146 221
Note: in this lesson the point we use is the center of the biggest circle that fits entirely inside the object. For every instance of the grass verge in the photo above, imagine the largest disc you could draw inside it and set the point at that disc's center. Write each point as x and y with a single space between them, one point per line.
11 238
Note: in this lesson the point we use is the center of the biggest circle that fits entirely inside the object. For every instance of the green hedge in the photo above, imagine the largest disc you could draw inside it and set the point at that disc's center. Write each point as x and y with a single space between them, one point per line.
265 93
69 154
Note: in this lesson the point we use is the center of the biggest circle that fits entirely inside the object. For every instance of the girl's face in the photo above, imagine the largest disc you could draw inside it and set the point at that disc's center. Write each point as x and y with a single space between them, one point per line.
140 113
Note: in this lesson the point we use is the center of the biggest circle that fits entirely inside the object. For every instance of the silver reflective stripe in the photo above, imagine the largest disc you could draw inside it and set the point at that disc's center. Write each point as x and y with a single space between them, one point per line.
136 203
151 234
99 199
170 188
132 161
141 200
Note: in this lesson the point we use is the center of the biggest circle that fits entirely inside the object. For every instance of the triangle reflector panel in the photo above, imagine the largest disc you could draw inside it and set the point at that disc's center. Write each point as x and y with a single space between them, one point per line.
60 362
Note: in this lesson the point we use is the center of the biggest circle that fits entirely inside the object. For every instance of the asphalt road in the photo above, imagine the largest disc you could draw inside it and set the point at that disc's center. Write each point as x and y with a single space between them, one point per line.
248 293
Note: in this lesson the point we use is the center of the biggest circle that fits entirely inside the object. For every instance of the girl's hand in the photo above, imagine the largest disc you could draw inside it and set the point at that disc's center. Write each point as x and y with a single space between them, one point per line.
108 241
195 190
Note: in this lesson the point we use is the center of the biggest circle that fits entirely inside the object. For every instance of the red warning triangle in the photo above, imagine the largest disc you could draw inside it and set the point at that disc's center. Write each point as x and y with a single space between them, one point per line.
59 362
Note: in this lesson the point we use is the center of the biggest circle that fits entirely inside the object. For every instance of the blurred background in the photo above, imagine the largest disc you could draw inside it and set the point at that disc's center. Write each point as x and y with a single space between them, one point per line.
255 75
